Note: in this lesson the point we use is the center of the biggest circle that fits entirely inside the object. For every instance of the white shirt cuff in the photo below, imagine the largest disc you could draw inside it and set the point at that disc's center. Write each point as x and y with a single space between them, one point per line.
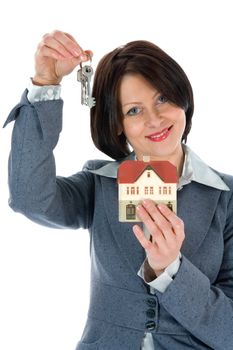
162 281
43 93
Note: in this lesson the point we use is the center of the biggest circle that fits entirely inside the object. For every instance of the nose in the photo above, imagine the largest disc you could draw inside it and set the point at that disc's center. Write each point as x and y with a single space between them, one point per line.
153 118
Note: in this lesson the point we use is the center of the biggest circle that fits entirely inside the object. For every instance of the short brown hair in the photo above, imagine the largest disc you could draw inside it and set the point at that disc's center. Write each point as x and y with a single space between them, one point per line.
157 67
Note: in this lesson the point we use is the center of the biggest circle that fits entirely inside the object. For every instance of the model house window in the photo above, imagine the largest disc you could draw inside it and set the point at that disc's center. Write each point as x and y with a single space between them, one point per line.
151 190
137 190
127 190
146 190
164 190
160 190
132 190
169 190
148 173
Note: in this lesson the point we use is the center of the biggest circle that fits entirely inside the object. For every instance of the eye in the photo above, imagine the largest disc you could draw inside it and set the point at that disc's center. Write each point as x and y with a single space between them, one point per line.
162 99
134 111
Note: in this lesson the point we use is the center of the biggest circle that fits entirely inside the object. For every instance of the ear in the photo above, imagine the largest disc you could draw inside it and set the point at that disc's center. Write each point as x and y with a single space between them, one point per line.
119 131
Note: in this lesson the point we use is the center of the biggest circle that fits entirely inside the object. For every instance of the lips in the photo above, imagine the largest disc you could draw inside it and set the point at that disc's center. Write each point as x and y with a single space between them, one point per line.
159 136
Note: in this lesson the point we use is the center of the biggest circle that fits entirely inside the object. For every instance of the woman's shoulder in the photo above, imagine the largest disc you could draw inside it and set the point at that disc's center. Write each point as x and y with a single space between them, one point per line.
106 168
95 164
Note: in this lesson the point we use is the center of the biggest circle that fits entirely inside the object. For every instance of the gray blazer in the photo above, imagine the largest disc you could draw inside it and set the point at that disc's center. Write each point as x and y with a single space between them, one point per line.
196 310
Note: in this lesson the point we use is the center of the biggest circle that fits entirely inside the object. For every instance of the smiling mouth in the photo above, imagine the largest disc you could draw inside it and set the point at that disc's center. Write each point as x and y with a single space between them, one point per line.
160 136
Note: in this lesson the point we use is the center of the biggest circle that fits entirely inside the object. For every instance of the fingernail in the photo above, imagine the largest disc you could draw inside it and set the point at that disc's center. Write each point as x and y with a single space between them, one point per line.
161 206
76 52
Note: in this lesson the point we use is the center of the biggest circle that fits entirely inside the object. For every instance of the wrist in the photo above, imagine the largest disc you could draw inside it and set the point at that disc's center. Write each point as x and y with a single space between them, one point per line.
149 273
41 82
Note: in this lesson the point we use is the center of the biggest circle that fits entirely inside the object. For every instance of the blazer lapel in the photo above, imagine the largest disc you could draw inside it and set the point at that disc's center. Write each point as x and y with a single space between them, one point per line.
122 231
196 205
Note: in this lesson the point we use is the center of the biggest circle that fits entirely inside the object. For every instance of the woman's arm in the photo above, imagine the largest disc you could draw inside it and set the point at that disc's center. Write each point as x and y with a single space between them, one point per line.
34 189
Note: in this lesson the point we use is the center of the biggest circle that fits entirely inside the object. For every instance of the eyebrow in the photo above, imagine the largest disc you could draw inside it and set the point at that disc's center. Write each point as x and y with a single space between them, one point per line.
132 103
137 102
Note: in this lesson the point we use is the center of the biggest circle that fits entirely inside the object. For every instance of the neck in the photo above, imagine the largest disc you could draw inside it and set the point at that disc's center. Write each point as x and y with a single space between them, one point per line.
176 159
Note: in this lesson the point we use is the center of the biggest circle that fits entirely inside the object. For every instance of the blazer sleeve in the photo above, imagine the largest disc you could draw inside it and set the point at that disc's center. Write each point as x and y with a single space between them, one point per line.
205 309
35 190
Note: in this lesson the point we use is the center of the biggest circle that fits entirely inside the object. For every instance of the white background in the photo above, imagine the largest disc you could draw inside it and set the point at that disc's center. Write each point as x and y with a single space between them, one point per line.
44 273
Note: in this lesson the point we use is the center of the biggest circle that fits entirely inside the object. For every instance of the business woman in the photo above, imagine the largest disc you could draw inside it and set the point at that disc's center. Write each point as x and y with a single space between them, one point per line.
171 289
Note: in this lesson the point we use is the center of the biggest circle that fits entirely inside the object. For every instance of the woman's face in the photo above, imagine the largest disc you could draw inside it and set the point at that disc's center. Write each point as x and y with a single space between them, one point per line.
152 125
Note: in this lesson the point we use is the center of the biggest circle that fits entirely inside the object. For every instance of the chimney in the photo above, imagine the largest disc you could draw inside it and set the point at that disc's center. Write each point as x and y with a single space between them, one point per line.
146 159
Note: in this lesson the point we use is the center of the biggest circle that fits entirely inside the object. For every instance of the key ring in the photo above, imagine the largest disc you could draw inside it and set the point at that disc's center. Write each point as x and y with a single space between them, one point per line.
90 59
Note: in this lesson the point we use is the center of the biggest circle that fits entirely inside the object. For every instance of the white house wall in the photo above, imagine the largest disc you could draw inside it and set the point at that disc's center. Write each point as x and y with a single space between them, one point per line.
142 182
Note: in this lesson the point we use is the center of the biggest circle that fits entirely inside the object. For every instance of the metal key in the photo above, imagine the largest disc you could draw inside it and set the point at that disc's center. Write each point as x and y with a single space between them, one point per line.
82 79
84 75
88 72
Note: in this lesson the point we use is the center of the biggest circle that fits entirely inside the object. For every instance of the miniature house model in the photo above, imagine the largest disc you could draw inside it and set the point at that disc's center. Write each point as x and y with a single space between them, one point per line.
139 180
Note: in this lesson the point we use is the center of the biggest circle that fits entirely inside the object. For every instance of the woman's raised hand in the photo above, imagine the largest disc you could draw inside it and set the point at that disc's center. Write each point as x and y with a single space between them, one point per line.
57 55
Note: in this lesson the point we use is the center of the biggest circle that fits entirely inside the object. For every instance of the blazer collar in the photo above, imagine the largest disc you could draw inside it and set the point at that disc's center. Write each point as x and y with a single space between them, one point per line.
110 169
194 170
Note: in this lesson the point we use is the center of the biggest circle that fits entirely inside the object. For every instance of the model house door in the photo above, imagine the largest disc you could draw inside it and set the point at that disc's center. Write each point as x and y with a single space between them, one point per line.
130 212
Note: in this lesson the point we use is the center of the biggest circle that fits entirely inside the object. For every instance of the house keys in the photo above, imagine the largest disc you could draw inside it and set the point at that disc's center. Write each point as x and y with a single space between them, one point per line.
84 75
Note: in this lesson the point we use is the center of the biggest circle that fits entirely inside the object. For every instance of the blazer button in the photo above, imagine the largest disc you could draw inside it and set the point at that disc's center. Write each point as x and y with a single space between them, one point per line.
150 313
150 325
151 302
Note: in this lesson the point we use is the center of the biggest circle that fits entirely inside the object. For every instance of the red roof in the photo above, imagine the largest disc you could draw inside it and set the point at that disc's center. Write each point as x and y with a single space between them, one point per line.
130 170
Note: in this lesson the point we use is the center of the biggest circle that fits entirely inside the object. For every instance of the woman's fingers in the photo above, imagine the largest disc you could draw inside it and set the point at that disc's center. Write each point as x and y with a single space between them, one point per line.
57 55
167 221
158 219
157 225
166 230
176 223
68 42
46 51
155 232
60 45
145 243
52 44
